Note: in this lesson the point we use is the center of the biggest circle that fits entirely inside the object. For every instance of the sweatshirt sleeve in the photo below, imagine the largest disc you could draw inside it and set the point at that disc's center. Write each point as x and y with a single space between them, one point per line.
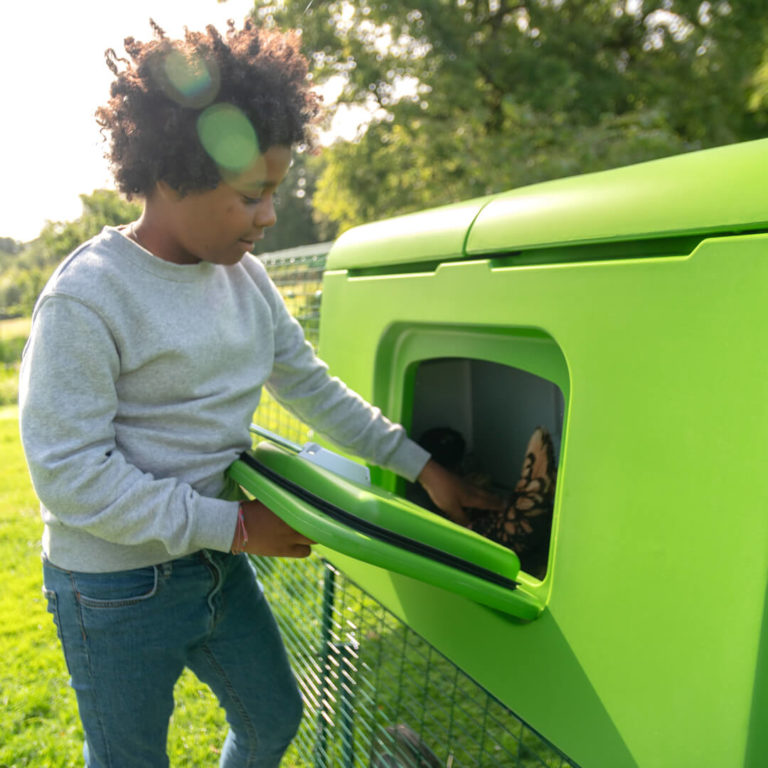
68 403
301 383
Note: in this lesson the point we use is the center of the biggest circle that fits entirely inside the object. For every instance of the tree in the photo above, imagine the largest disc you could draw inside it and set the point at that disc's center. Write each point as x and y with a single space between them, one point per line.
103 207
23 277
8 250
297 224
9 246
475 96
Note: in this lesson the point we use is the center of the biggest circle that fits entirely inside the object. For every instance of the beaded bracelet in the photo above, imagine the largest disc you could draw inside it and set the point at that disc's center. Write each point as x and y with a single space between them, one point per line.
241 532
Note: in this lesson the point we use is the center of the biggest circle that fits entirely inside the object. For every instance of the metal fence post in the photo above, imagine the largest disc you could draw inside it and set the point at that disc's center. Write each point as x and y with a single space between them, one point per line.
325 650
347 709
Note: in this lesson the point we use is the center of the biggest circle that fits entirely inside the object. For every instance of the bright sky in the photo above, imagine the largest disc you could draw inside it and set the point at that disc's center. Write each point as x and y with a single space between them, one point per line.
52 79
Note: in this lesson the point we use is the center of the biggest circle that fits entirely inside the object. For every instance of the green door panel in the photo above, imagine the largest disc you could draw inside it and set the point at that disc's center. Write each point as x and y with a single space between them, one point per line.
383 529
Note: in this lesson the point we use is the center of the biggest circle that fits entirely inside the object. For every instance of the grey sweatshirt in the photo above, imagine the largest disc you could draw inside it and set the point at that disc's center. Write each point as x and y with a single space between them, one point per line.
137 390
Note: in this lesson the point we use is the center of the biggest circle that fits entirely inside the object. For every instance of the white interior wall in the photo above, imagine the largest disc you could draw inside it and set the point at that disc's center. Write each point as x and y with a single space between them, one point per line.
495 408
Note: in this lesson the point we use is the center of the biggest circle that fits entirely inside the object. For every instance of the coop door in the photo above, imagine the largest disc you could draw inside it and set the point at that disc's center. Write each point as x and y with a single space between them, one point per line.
346 515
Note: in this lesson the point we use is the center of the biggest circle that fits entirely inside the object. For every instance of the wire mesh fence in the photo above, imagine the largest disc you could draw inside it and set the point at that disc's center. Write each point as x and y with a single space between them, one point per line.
298 275
376 694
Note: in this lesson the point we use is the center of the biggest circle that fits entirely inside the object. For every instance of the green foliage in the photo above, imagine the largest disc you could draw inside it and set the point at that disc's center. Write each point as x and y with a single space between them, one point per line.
477 96
13 337
9 246
9 385
758 101
296 221
24 272
8 250
10 350
19 288
103 207
24 269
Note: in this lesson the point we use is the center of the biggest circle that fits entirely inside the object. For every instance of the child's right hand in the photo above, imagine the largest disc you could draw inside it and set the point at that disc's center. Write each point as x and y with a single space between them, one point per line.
269 535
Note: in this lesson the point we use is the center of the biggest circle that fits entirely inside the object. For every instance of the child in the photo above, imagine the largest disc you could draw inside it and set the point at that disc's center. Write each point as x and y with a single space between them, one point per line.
148 351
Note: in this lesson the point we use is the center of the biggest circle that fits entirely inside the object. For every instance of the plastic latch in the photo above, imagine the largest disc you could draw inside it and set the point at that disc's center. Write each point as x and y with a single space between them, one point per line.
334 462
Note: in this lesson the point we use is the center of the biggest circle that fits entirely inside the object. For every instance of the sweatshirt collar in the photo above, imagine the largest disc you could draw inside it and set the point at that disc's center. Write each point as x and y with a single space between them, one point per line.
117 240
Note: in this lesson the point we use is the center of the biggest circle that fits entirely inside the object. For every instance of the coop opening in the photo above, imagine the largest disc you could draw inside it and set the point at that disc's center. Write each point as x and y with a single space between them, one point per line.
500 428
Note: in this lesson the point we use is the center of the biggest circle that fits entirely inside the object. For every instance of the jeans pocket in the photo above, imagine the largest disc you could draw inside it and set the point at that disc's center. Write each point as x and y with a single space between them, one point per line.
53 608
117 589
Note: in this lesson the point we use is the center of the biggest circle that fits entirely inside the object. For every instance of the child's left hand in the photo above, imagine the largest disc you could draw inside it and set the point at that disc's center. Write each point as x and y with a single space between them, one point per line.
453 495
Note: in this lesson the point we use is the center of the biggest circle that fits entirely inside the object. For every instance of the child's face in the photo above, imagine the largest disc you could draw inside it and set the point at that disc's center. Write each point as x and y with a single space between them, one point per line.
221 225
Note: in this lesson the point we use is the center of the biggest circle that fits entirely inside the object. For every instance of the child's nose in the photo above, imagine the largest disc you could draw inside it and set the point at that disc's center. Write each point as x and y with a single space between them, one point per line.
264 216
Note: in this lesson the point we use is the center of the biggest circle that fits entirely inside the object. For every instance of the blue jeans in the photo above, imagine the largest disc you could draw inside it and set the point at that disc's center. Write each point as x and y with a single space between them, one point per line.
128 635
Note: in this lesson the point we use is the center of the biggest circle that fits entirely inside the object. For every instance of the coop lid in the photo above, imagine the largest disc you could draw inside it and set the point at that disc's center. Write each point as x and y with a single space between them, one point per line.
713 191
710 192
380 528
425 237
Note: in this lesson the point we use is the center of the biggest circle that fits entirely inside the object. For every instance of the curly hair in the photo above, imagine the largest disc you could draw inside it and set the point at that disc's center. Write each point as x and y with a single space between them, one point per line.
162 95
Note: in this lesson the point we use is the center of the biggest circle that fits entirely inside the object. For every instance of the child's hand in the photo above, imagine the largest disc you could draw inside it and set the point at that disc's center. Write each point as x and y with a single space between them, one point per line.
269 535
454 495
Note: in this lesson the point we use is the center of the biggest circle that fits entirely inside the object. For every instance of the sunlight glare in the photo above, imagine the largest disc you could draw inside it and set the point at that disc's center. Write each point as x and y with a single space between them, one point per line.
190 81
228 137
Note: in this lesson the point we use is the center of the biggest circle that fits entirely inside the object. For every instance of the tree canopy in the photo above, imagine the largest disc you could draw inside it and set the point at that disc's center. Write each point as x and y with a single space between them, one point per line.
23 276
476 96
25 267
293 206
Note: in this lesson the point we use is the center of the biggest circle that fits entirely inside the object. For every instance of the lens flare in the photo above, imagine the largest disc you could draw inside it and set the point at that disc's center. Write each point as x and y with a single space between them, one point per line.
189 76
189 80
228 137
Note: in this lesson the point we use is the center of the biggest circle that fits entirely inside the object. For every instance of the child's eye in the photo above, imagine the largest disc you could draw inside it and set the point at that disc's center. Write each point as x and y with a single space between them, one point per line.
250 200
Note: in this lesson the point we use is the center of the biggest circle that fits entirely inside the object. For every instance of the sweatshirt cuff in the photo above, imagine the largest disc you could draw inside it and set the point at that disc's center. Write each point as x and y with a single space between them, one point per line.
408 460
216 528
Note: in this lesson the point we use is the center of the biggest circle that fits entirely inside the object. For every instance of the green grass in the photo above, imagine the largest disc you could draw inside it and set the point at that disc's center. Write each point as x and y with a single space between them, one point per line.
37 715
